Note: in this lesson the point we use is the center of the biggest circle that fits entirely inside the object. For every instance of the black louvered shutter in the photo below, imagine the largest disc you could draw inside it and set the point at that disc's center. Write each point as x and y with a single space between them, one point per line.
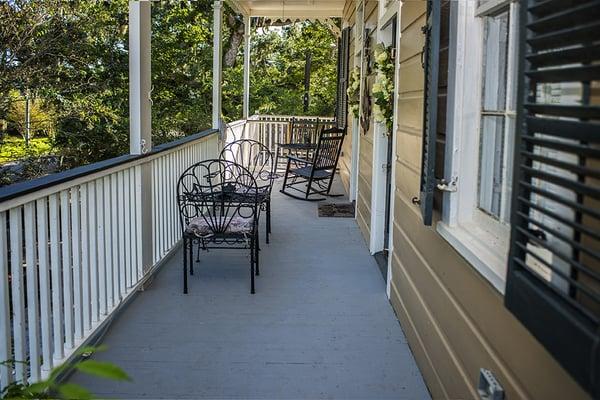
430 108
343 77
553 281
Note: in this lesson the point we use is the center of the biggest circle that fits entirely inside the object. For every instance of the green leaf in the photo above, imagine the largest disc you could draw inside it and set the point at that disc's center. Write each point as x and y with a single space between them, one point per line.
103 370
72 391
39 387
88 350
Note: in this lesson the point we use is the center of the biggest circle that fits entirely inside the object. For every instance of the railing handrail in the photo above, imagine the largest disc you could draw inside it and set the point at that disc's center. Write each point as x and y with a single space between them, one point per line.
19 189
298 117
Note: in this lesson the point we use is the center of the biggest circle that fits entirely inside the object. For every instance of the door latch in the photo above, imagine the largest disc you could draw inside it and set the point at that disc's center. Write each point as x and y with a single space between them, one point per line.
446 186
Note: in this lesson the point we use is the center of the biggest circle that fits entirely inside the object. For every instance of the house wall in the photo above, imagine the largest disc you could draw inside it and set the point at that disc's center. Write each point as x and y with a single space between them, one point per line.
345 163
455 321
365 161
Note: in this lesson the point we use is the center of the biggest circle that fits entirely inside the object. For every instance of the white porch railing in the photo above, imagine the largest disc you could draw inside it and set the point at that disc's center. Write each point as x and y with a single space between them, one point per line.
71 250
270 129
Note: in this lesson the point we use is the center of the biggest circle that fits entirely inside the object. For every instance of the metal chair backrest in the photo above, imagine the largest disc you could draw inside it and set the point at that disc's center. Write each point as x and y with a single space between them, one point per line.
217 191
255 157
328 149
304 131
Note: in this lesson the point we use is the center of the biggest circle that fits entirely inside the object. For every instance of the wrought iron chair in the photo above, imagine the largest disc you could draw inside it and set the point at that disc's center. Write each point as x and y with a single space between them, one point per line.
319 172
218 204
257 159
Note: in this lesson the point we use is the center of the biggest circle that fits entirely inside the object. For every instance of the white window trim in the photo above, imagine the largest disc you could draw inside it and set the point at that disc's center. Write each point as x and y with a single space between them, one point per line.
483 243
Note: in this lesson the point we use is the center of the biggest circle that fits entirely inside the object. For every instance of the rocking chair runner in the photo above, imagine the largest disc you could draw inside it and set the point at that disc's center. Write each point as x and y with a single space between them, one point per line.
319 172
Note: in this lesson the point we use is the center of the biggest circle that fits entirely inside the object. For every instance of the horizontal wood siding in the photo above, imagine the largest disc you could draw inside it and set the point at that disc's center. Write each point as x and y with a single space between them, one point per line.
455 321
365 160
345 163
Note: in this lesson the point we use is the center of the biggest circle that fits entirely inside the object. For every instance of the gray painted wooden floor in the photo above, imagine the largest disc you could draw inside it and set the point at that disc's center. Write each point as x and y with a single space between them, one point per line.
319 325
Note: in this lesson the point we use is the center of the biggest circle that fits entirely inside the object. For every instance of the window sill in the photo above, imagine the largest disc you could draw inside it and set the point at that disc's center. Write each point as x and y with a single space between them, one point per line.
473 243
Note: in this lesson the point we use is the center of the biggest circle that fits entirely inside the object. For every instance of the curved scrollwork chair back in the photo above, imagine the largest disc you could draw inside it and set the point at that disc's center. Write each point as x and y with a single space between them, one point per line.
259 161
218 203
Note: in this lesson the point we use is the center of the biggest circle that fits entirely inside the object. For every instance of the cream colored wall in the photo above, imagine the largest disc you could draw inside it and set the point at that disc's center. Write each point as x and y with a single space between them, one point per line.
345 163
365 161
455 321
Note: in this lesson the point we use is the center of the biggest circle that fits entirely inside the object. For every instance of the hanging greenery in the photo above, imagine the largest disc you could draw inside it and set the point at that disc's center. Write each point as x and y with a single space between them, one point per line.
383 88
354 92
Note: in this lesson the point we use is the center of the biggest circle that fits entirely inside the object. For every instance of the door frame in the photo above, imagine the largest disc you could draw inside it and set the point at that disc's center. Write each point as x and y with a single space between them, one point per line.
387 11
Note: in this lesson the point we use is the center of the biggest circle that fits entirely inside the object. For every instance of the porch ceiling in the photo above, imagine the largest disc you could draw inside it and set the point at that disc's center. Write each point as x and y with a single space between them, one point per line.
289 8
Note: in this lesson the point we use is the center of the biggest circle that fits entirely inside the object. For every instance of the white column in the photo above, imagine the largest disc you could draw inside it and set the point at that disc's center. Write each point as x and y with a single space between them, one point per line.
246 109
140 82
140 122
217 63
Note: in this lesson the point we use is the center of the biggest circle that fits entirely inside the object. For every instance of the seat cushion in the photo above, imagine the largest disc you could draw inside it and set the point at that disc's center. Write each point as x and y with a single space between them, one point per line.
200 227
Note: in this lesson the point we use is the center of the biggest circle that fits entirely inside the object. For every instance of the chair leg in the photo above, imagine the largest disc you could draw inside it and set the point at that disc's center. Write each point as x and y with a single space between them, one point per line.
252 244
308 186
268 220
192 257
285 177
185 262
257 251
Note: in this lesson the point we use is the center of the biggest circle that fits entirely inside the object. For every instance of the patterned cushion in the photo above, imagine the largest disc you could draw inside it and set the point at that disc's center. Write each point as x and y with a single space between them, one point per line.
238 225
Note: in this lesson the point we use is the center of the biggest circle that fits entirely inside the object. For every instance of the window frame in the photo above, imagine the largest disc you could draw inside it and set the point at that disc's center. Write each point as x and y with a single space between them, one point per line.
480 238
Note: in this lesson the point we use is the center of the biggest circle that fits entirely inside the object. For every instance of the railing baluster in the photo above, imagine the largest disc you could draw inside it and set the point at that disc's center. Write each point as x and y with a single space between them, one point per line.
66 267
99 211
138 221
33 319
44 282
5 326
85 257
108 244
18 293
121 232
115 239
56 269
126 222
93 251
75 248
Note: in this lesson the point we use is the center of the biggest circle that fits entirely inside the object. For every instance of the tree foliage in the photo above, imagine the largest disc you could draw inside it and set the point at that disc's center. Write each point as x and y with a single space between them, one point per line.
71 58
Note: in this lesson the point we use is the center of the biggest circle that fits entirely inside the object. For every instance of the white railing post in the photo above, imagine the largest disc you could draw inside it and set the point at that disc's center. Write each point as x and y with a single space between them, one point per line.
247 33
140 86
217 64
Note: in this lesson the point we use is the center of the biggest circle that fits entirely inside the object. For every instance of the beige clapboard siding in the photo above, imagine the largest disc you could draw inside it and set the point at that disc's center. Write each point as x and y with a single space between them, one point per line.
455 321
345 163
365 159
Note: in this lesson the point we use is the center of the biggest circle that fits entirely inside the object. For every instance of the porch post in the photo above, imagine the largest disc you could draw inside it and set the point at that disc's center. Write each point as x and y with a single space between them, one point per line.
140 123
217 63
140 83
246 110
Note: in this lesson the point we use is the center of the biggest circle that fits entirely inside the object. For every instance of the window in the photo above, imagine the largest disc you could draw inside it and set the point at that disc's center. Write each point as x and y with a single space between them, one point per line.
481 124
493 185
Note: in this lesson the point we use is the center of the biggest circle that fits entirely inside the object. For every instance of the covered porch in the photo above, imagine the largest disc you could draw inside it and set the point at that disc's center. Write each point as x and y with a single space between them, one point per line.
319 326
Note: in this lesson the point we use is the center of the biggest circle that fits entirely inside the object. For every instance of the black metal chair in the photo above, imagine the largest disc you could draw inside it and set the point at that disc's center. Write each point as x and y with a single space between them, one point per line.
257 159
317 174
218 204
